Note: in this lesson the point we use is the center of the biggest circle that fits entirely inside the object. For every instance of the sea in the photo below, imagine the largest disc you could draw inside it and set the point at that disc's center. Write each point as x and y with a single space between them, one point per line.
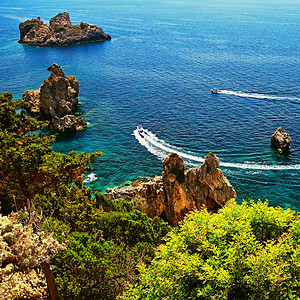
158 70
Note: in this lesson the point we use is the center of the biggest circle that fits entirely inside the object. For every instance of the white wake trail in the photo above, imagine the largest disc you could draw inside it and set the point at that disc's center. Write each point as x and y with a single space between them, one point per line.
256 95
160 148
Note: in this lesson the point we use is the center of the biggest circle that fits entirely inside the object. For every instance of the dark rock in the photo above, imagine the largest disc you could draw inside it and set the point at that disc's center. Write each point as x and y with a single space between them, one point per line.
179 191
56 100
59 32
68 123
281 140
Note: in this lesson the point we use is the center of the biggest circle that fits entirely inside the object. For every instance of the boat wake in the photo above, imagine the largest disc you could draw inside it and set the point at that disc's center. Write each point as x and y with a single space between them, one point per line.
256 95
161 149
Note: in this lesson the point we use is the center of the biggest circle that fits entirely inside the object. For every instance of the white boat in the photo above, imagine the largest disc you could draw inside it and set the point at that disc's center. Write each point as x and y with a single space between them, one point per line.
214 91
90 178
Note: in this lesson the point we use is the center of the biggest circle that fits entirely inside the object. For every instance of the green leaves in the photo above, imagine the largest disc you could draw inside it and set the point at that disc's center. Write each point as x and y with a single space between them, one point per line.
28 165
243 252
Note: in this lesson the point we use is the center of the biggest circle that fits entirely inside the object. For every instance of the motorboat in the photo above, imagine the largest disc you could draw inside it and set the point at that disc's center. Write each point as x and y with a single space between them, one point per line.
215 91
90 178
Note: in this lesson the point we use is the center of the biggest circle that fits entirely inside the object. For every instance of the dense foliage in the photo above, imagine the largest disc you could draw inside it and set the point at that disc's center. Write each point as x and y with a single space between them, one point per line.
105 240
95 244
28 165
243 252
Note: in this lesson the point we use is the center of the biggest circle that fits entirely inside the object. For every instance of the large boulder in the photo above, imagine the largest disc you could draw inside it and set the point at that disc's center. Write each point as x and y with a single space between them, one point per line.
281 140
179 191
56 100
59 32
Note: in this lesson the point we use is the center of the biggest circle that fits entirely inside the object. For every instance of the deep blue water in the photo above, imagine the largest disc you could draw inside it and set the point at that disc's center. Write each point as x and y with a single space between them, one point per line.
158 69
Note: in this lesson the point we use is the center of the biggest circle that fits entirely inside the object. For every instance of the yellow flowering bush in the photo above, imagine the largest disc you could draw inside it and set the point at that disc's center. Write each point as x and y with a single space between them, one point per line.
248 251
21 253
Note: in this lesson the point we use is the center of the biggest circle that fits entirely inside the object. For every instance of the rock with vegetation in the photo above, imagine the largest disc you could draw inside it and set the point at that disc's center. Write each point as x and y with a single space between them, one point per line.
179 191
56 100
59 32
281 140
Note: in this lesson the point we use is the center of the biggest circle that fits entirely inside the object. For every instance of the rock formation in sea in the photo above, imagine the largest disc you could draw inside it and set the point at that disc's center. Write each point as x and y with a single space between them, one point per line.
179 191
59 32
281 140
56 100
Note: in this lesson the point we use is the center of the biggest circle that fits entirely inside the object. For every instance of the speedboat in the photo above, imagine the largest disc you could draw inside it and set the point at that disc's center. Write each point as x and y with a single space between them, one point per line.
214 91
90 178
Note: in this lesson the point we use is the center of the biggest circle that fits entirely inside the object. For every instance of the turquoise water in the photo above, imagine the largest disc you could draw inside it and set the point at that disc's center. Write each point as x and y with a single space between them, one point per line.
158 69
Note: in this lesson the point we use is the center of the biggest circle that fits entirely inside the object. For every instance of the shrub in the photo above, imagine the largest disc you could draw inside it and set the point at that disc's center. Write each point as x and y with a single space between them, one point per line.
22 253
248 251
60 29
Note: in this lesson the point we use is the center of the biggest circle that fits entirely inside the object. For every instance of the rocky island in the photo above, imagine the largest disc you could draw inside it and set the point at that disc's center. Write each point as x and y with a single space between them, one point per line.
281 140
179 191
56 100
59 32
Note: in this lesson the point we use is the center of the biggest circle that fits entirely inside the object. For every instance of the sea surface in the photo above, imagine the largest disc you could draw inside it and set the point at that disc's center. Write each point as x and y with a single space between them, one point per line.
157 71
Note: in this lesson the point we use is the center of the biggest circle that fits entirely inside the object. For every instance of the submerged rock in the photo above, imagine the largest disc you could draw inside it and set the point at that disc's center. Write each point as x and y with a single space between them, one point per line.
281 140
59 32
56 100
179 191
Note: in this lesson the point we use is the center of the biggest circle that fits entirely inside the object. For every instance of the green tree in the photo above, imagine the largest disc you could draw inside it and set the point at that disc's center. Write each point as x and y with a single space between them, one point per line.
242 252
104 247
29 167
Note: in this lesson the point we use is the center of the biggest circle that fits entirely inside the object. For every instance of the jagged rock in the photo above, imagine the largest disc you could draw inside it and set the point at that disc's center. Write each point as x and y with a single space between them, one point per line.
56 100
33 97
69 123
280 140
179 191
59 32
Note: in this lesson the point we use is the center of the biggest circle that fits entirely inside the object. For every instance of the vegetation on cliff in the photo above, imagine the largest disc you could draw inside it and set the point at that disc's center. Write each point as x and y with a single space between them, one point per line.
105 240
99 247
242 252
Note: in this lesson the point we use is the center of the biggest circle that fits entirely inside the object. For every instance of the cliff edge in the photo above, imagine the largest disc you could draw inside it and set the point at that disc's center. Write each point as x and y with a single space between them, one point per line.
179 191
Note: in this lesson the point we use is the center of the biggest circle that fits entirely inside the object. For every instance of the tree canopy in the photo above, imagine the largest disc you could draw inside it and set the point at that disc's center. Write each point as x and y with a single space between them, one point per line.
104 240
22 252
28 165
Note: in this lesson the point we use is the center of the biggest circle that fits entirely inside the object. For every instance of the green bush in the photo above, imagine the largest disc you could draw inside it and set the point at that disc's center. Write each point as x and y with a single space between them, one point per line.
60 29
97 264
248 251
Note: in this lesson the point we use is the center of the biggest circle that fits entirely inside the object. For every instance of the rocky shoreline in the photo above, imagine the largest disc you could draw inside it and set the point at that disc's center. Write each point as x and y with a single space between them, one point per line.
59 32
179 191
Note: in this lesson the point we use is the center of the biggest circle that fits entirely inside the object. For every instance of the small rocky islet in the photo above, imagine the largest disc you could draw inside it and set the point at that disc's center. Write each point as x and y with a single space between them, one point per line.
56 100
59 32
281 140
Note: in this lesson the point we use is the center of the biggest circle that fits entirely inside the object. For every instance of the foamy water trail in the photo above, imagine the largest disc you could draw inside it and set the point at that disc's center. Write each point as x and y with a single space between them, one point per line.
256 95
160 148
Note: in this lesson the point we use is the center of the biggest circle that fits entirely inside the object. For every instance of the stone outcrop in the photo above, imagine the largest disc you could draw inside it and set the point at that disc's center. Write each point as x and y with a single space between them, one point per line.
59 32
179 191
56 100
281 140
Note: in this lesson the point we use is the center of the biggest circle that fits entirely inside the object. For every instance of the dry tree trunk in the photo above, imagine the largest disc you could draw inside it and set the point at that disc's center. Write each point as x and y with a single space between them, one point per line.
53 293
